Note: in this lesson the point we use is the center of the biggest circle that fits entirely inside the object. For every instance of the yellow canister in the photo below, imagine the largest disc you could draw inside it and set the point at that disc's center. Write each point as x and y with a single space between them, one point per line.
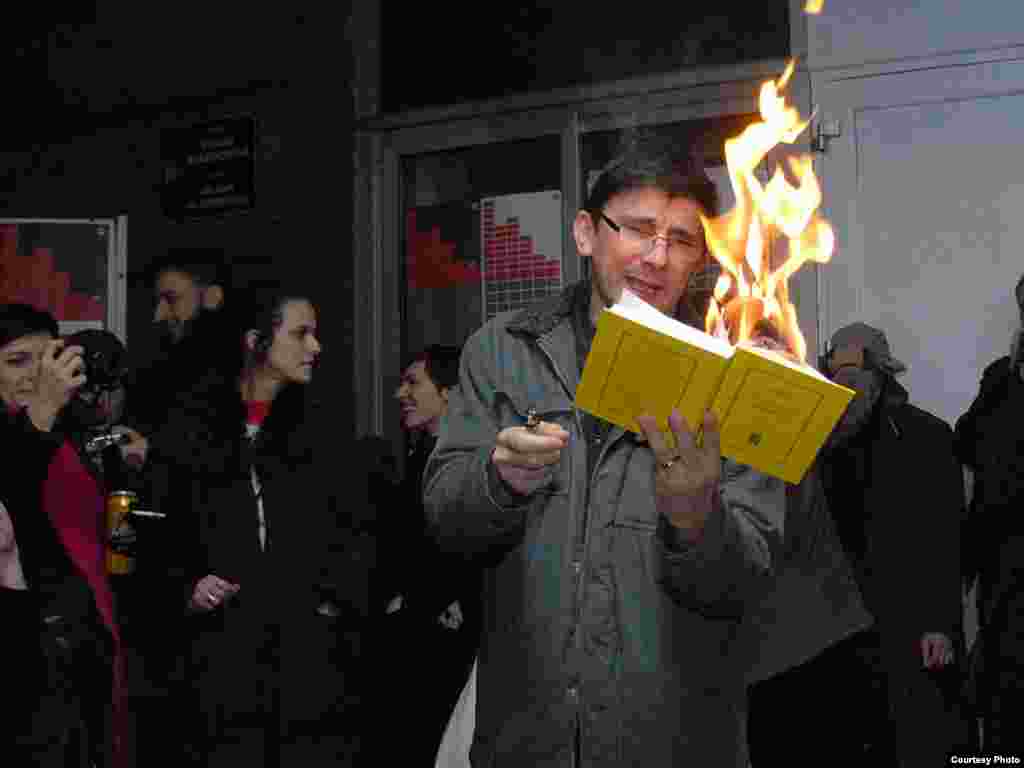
119 507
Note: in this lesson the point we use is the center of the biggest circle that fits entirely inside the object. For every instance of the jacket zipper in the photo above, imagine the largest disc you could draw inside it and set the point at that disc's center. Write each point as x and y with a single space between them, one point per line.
579 576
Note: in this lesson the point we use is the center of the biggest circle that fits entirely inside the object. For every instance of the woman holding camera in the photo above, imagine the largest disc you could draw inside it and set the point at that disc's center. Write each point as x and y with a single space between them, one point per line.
63 686
265 577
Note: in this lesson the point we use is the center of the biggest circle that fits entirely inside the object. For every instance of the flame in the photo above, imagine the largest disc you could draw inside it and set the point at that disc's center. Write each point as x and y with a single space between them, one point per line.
814 6
722 287
742 240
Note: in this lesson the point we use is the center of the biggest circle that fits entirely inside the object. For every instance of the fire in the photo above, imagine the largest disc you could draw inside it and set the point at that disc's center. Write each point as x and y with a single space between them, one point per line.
814 6
752 293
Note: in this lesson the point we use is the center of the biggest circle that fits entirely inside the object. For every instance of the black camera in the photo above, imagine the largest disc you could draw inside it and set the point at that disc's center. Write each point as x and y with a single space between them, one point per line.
105 368
104 357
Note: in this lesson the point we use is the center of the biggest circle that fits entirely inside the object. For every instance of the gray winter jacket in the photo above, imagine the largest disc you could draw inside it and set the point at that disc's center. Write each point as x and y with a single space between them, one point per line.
597 616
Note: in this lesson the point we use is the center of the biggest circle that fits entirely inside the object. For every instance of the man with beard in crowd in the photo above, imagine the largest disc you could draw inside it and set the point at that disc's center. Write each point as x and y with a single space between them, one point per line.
194 343
190 288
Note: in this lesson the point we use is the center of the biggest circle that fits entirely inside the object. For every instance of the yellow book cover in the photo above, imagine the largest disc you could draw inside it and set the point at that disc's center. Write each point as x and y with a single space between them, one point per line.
774 415
642 361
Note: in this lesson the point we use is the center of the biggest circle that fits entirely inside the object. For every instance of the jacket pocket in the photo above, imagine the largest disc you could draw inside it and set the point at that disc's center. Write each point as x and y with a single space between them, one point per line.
634 504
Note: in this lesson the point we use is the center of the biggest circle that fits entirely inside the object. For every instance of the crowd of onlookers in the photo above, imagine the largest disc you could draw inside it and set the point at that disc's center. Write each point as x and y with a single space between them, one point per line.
251 591
275 563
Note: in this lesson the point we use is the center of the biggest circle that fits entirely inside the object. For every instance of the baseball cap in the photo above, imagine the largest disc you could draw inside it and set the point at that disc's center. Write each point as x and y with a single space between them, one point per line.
871 340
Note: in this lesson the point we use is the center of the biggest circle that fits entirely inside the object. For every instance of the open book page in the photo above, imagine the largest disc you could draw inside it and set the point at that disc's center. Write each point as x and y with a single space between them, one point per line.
783 360
632 307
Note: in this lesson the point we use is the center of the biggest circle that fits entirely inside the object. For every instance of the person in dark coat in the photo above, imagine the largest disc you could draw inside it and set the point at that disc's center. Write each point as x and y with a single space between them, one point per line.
433 599
895 494
990 441
192 330
269 578
57 650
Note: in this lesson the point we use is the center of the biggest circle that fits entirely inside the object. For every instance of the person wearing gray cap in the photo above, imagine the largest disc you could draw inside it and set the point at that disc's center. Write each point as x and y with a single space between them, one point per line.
989 442
895 492
892 491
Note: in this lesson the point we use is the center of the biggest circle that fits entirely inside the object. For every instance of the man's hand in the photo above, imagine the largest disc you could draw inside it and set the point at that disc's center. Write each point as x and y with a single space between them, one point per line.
211 592
524 457
685 480
452 616
61 373
134 452
936 650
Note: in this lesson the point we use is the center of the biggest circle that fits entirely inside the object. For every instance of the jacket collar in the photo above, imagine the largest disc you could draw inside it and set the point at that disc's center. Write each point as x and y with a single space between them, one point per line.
543 317
894 395
890 405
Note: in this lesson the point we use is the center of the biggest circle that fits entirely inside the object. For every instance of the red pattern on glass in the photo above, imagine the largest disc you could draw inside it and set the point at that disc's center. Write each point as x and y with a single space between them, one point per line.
33 279
509 253
431 261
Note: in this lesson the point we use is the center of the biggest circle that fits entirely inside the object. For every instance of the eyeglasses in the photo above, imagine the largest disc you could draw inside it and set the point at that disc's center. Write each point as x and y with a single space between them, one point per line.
642 239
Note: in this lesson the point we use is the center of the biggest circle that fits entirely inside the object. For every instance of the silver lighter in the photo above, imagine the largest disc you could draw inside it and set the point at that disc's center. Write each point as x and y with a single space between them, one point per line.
100 442
532 419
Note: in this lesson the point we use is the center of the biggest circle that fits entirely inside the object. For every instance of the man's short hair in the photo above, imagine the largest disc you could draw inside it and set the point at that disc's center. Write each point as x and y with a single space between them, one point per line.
207 266
441 363
647 160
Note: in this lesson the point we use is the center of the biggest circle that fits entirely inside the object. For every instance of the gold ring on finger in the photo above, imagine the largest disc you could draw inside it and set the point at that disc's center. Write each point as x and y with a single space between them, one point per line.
667 465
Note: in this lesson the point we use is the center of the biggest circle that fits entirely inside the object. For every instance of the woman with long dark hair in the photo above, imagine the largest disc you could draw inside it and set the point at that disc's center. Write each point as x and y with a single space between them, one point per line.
63 670
267 581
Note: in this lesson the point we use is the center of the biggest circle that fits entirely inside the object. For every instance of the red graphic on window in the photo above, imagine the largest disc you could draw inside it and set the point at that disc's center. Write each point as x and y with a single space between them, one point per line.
510 254
431 261
32 279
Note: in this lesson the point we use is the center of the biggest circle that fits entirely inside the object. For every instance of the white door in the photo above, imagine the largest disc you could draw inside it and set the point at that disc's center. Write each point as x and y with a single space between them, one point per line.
925 188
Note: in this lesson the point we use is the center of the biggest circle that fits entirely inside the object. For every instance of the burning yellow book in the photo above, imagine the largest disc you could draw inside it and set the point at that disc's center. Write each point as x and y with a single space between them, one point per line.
774 415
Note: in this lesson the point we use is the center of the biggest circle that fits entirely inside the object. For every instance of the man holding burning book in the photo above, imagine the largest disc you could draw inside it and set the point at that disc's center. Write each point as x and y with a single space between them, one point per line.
617 566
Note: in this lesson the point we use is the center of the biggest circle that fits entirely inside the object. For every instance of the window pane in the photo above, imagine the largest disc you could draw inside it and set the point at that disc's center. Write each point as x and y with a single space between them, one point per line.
483 231
61 267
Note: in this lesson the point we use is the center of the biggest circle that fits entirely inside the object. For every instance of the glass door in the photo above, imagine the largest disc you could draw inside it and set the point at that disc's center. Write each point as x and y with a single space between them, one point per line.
73 268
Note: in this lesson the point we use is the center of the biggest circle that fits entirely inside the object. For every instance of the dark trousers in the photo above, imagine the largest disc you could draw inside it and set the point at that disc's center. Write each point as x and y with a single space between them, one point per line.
831 710
846 709
424 667
1003 687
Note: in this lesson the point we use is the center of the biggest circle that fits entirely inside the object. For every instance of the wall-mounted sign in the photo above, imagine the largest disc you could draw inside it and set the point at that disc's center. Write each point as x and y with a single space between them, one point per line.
208 168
